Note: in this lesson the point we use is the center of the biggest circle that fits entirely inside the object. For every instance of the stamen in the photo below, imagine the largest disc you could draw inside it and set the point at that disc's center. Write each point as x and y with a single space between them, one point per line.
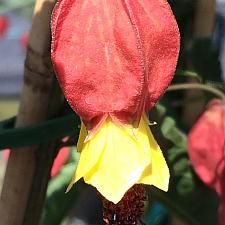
128 211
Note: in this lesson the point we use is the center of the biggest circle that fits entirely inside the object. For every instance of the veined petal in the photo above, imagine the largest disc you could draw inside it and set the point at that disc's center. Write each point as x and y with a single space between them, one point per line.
157 173
91 152
124 159
94 60
117 157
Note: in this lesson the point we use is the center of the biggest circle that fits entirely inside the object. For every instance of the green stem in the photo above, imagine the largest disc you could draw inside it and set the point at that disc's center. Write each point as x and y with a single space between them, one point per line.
204 87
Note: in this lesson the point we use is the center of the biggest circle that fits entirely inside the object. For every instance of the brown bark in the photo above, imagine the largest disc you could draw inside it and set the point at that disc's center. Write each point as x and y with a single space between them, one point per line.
28 168
203 28
204 18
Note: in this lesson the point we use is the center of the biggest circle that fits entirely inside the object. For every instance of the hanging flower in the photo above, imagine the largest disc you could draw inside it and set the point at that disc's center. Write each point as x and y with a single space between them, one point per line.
206 146
113 60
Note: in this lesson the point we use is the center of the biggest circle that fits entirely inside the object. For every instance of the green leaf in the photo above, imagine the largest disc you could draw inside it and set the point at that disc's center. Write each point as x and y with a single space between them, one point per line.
172 133
58 204
186 183
176 153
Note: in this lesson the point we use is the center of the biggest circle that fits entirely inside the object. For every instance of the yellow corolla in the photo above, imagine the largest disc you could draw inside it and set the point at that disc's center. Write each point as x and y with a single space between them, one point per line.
117 157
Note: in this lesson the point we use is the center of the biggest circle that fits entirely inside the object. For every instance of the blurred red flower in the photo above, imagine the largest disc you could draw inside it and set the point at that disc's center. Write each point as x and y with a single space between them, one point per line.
206 146
4 24
24 40
60 160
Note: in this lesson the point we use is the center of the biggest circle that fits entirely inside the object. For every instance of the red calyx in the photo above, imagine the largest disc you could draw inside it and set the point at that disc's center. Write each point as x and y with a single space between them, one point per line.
113 57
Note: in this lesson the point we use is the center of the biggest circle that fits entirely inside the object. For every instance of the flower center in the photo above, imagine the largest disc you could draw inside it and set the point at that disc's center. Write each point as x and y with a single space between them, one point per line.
128 211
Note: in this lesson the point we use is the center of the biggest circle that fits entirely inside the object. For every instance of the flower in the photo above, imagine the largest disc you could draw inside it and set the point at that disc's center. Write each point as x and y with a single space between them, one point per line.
206 146
113 60
4 24
60 160
206 142
24 40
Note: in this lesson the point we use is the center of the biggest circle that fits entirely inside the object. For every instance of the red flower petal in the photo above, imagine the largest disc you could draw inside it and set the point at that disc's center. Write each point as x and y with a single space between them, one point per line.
114 57
24 40
207 146
60 160
6 154
3 25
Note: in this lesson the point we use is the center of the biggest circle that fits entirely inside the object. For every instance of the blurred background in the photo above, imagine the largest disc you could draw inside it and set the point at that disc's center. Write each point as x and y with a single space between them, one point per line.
202 61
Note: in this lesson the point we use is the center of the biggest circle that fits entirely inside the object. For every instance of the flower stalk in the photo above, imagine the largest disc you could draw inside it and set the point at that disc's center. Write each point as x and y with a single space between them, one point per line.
204 87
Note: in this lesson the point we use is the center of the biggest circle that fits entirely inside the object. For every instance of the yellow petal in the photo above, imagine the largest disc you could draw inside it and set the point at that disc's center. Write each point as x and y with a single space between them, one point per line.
90 154
122 162
116 158
157 173
82 136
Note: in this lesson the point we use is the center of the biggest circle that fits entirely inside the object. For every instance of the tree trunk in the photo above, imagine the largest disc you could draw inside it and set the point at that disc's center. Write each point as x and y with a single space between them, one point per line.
204 18
203 28
28 169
